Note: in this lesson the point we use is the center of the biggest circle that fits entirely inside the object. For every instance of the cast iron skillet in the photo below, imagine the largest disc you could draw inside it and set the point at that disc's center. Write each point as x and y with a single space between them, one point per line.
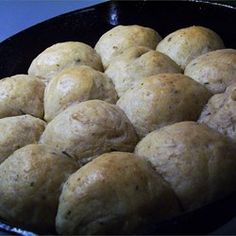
87 25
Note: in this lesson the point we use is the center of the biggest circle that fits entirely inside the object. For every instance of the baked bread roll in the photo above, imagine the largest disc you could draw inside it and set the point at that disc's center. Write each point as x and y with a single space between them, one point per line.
198 162
186 44
18 131
121 37
21 94
76 84
114 194
215 70
31 181
88 129
60 55
136 63
161 100
220 112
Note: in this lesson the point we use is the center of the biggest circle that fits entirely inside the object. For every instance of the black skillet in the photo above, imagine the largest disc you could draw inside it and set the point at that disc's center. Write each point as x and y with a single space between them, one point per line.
87 25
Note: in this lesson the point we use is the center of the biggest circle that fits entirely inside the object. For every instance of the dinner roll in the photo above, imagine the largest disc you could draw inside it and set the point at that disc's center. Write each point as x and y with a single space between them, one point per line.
220 112
114 194
163 99
76 84
186 44
31 181
198 162
18 131
88 129
215 70
60 55
136 63
121 37
21 94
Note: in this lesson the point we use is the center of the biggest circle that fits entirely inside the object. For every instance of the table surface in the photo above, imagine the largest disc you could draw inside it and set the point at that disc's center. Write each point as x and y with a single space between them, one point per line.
16 15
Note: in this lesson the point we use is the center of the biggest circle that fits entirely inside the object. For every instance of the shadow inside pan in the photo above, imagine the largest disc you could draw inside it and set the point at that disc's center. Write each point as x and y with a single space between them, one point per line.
87 25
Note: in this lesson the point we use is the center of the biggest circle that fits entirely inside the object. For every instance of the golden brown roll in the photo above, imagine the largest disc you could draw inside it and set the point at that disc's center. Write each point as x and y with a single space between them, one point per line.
21 94
31 181
186 44
76 84
220 112
121 37
114 194
215 70
198 162
18 131
136 63
88 129
60 55
161 100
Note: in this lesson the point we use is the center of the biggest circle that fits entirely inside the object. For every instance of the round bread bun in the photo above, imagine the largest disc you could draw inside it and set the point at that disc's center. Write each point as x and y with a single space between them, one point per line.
31 181
161 100
220 112
121 37
60 55
215 70
21 94
76 84
198 162
18 131
114 194
136 63
186 44
88 129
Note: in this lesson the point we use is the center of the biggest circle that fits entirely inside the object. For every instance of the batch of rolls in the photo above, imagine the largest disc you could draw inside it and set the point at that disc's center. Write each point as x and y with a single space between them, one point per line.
107 140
